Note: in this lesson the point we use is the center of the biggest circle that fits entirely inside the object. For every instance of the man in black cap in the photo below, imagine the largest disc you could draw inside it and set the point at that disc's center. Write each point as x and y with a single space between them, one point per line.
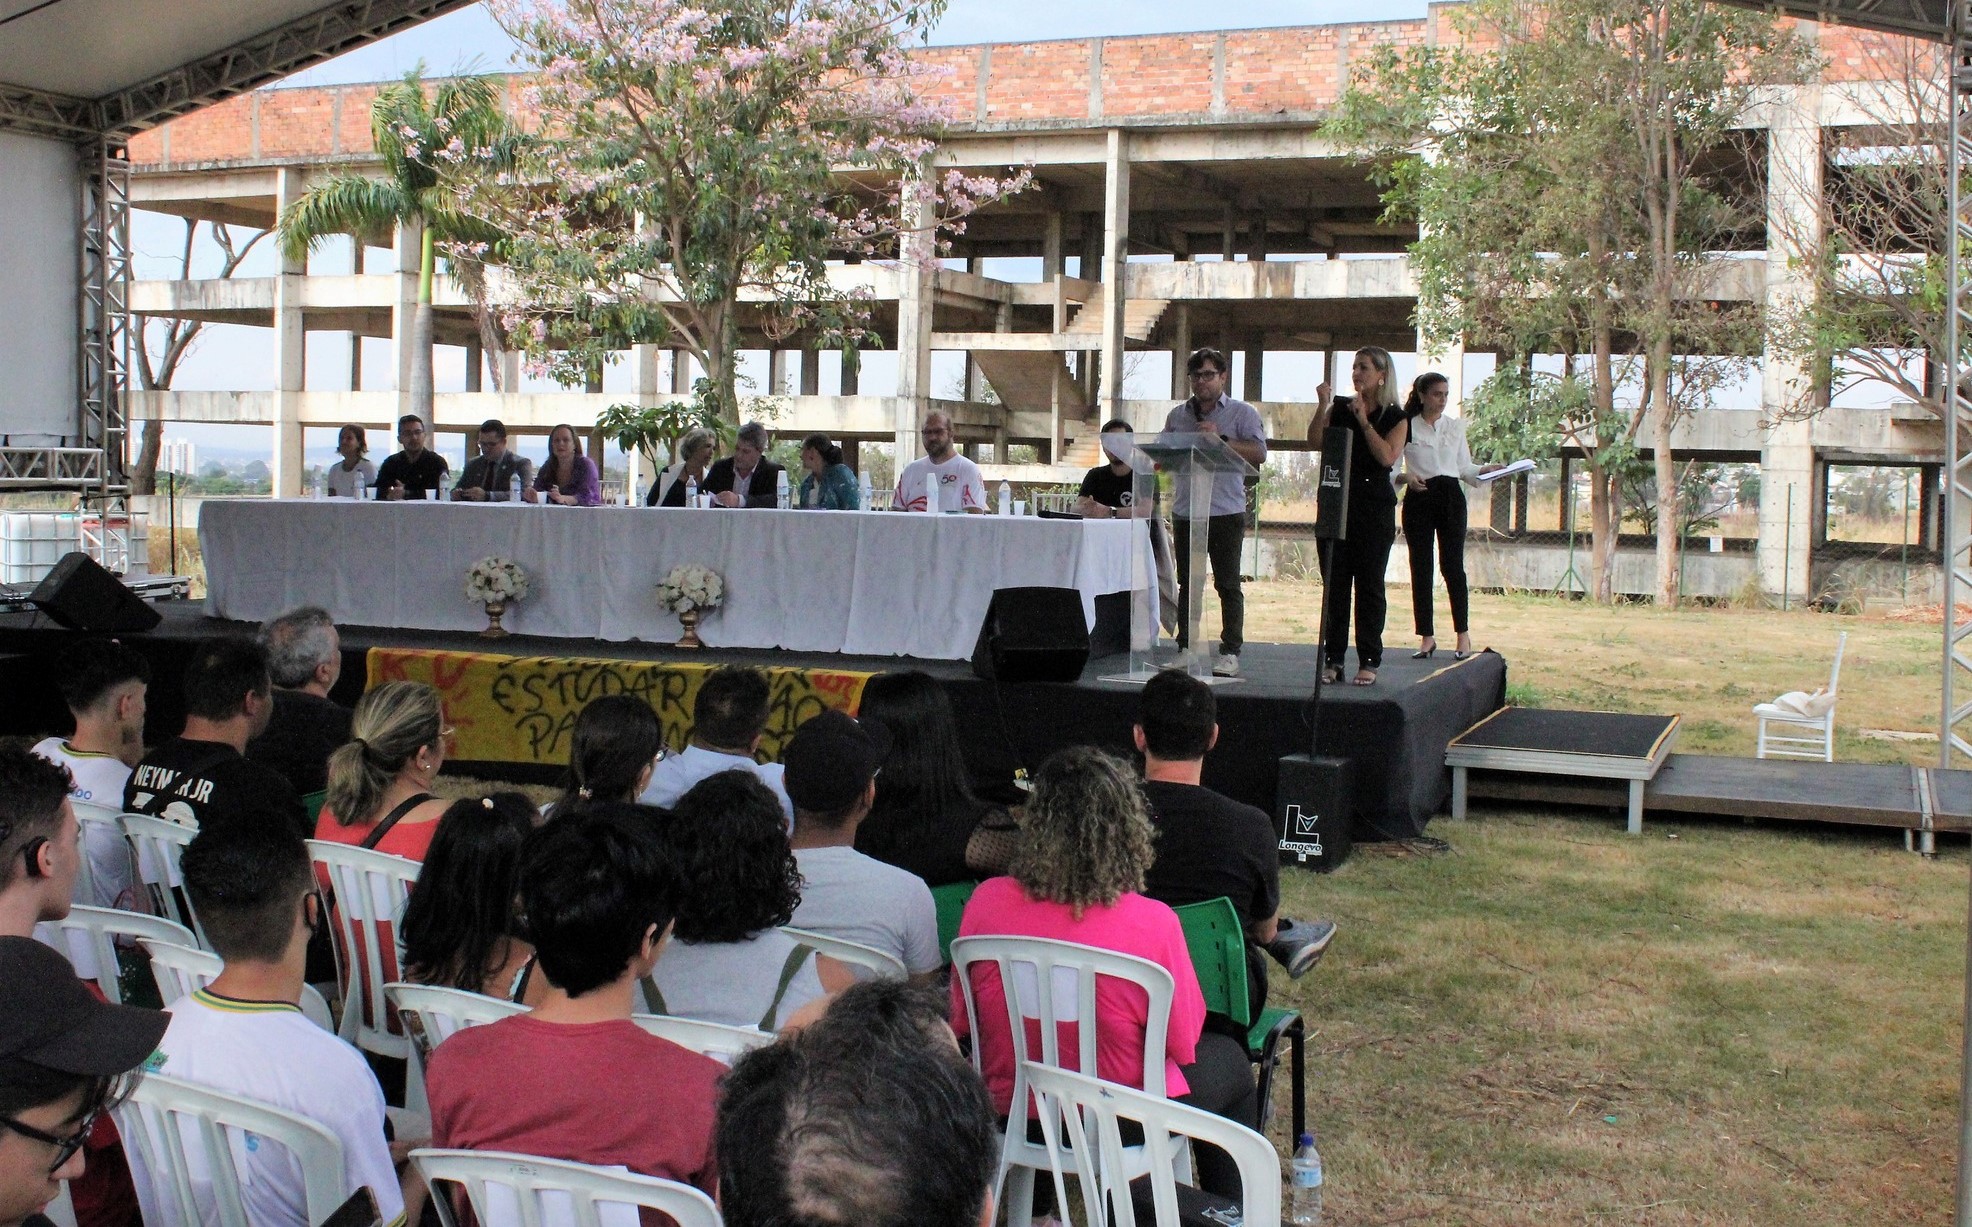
63 1054
831 764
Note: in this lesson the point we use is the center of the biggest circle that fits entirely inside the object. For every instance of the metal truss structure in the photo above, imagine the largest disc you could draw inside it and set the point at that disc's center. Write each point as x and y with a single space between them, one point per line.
105 329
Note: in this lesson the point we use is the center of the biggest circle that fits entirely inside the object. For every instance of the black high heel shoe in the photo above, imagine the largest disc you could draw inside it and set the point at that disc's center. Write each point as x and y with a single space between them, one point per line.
1425 653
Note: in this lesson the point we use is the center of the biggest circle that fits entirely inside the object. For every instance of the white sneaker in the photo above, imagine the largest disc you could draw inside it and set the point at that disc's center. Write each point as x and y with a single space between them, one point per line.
1226 666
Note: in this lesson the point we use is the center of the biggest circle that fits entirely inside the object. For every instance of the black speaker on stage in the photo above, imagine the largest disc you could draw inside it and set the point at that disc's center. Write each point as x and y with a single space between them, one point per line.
1313 808
82 596
1032 635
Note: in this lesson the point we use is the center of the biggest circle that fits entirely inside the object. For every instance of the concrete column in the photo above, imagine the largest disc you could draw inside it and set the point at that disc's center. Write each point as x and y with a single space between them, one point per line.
1052 260
510 371
914 307
777 372
290 352
681 373
852 374
1115 260
475 365
1181 348
356 338
1787 460
409 243
1256 369
811 372
646 388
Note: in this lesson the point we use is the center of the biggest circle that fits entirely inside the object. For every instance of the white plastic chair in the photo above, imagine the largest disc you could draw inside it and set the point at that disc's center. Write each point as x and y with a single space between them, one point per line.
1789 741
88 936
882 964
181 970
1077 1102
1054 983
370 890
186 1142
158 843
104 845
723 1043
510 1190
430 1015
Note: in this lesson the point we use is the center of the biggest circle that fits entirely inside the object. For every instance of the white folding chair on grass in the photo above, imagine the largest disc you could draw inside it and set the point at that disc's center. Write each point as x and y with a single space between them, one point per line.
181 970
510 1190
1054 983
88 936
880 964
158 843
186 1142
1802 725
720 1041
1085 1114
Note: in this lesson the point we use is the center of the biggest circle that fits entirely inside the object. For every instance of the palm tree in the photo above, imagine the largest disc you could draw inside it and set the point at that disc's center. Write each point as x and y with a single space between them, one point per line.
422 137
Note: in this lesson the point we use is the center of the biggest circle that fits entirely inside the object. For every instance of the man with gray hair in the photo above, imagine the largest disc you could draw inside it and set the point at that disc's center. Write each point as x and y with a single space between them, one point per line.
304 658
746 478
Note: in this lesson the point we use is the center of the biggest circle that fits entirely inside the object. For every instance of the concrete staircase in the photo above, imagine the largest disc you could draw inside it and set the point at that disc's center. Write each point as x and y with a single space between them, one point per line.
1028 380
1140 316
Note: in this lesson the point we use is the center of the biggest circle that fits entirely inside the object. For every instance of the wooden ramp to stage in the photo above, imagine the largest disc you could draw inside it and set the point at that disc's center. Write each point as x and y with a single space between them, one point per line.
1596 745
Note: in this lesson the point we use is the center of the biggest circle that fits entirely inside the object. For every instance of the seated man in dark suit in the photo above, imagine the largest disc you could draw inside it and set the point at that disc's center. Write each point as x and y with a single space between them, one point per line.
490 476
304 657
746 478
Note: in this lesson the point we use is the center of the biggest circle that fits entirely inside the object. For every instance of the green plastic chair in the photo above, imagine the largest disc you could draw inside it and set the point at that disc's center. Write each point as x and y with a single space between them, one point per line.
950 900
1218 954
312 802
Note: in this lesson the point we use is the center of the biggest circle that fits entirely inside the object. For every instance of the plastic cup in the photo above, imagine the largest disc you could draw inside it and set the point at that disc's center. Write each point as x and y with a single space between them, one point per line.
431 496
1020 506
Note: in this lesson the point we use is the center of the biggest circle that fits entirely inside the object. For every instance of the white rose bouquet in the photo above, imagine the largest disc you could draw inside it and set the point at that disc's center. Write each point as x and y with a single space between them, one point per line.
495 579
692 586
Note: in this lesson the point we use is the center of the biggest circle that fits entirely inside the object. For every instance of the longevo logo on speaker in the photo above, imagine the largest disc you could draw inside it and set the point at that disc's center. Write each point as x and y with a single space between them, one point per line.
1300 833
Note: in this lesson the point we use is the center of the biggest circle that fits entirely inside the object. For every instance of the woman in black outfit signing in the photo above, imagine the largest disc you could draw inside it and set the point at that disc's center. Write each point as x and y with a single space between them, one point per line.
1379 432
1436 460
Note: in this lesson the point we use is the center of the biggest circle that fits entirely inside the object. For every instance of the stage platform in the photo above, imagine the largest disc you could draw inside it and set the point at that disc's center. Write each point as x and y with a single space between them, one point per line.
1395 732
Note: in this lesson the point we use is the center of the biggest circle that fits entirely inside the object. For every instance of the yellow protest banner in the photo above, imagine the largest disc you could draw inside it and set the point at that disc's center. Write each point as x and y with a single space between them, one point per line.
522 709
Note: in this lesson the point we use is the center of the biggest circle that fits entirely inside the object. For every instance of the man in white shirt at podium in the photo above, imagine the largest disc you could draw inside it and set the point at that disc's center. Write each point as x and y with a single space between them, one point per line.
941 474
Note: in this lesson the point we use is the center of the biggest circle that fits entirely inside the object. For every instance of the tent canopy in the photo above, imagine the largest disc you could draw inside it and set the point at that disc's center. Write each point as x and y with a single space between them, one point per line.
80 69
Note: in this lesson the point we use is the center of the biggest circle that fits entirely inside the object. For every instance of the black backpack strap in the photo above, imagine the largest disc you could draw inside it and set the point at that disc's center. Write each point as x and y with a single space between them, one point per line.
382 828
791 968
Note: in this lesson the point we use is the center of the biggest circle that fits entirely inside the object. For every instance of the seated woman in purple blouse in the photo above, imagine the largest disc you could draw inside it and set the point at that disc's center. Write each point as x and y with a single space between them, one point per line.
568 477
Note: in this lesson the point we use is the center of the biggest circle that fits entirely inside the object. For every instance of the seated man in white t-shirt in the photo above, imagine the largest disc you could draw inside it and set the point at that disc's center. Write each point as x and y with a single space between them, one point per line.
729 715
941 472
245 1034
104 685
831 773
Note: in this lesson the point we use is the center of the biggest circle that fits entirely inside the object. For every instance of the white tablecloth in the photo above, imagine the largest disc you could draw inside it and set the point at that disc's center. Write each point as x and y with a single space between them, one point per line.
865 583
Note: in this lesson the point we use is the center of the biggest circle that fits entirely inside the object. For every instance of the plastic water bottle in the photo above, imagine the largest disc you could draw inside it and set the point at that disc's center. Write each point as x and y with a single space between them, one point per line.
1304 1197
1006 498
780 490
321 486
513 489
691 491
864 501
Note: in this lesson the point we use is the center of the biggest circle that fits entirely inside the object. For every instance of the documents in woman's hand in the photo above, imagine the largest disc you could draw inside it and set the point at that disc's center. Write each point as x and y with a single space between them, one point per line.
1508 470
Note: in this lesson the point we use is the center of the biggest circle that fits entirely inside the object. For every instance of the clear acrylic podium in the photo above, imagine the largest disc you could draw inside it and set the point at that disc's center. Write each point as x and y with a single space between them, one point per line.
1193 461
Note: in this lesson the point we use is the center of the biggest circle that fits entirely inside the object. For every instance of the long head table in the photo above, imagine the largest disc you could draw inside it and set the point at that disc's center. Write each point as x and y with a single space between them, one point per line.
864 583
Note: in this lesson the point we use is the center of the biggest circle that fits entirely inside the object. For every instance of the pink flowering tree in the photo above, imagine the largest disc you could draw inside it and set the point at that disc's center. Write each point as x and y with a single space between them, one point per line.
697 165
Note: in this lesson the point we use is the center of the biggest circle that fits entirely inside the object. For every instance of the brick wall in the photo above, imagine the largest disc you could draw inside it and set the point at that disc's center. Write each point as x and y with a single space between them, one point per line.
1239 73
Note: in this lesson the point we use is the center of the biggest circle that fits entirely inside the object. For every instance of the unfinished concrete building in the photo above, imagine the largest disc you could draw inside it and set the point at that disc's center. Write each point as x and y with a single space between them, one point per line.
1184 196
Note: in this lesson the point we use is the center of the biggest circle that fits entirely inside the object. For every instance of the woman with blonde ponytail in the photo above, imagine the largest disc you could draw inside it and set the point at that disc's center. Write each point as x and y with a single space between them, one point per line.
379 793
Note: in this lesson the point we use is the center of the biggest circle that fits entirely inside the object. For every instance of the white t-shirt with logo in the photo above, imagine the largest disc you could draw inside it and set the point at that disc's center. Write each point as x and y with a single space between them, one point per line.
99 781
271 1053
958 482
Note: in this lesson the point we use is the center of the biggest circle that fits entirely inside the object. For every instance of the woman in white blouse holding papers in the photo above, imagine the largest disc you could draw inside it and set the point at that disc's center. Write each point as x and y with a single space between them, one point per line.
1436 460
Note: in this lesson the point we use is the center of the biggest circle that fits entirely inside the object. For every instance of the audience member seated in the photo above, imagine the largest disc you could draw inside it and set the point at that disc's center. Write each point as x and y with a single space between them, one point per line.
202 777
832 763
568 479
729 716
460 929
830 485
1210 845
868 1116
611 754
353 473
304 658
574 1078
40 843
730 963
104 685
382 778
926 818
66 1058
746 478
245 1033
694 456
1109 491
1079 877
490 476
414 472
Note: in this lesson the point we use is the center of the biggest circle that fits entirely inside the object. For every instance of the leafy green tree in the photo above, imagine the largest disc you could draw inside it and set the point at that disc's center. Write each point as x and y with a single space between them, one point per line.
1572 165
425 136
